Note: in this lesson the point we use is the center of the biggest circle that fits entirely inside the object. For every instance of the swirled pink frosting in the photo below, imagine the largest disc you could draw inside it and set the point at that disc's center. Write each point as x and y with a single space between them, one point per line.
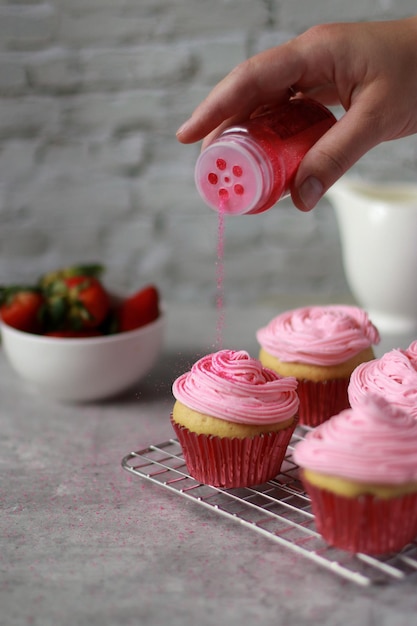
320 335
376 442
392 376
411 352
233 386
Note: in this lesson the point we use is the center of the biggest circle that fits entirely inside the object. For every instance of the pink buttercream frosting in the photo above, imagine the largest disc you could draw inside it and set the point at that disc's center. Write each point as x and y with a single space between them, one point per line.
393 376
376 442
411 352
319 335
233 386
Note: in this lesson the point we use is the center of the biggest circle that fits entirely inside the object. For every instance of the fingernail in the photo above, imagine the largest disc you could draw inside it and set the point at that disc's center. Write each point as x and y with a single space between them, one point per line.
310 192
182 128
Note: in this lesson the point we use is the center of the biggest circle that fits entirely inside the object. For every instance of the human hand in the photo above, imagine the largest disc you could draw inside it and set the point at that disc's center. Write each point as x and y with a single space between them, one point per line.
369 68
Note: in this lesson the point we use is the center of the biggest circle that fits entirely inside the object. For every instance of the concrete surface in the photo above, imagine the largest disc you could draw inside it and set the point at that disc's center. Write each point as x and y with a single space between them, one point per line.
85 543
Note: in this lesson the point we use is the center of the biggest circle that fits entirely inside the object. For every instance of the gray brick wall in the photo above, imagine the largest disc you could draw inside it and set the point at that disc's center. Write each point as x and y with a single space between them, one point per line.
91 93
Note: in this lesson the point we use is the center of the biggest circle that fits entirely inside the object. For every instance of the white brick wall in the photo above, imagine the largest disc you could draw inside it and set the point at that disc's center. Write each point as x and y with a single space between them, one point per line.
91 93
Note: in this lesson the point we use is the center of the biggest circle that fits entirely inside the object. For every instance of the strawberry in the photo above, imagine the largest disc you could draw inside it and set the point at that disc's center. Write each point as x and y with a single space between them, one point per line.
75 302
138 309
93 269
22 307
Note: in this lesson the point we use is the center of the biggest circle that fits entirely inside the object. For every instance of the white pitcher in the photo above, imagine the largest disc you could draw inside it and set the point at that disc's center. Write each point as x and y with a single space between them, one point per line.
378 231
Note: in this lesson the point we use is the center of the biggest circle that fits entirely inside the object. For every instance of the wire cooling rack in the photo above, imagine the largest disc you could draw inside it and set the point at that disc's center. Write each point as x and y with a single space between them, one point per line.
279 509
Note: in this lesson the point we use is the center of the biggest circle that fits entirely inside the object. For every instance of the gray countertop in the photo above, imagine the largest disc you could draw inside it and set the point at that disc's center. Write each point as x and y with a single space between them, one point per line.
84 542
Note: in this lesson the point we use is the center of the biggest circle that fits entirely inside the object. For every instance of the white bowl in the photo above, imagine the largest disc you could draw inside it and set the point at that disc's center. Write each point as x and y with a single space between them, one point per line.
86 369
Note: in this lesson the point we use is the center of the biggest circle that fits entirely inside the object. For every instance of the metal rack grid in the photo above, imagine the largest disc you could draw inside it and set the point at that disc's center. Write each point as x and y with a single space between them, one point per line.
279 509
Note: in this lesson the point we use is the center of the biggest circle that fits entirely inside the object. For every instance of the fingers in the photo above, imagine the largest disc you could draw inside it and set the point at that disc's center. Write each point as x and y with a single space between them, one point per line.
334 154
306 62
261 80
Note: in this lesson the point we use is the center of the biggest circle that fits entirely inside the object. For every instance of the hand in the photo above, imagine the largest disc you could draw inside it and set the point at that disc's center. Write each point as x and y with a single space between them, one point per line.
368 68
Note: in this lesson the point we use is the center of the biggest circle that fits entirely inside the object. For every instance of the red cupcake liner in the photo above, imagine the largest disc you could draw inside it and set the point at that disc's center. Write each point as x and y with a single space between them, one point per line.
227 463
321 400
367 524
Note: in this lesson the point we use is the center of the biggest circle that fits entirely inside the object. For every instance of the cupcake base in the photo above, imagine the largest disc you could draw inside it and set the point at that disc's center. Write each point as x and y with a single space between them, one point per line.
371 525
319 401
231 463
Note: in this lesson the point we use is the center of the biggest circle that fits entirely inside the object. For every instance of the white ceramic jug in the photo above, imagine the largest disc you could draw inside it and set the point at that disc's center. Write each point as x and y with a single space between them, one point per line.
378 231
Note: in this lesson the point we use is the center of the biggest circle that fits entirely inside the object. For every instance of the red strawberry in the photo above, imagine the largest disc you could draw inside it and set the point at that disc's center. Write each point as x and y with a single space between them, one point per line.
21 307
92 269
138 309
76 303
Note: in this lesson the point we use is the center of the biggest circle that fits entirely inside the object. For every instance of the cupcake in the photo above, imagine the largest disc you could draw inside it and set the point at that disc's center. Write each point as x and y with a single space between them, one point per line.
234 419
393 376
320 346
360 471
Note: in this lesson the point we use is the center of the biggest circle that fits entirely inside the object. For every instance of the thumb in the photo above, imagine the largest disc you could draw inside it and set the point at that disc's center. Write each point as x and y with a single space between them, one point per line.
334 154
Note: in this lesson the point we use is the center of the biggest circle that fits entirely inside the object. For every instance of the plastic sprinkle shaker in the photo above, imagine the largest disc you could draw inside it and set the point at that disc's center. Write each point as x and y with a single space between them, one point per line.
249 167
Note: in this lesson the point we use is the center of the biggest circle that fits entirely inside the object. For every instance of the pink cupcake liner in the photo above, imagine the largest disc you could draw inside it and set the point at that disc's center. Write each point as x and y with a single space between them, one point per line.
321 400
366 524
227 463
